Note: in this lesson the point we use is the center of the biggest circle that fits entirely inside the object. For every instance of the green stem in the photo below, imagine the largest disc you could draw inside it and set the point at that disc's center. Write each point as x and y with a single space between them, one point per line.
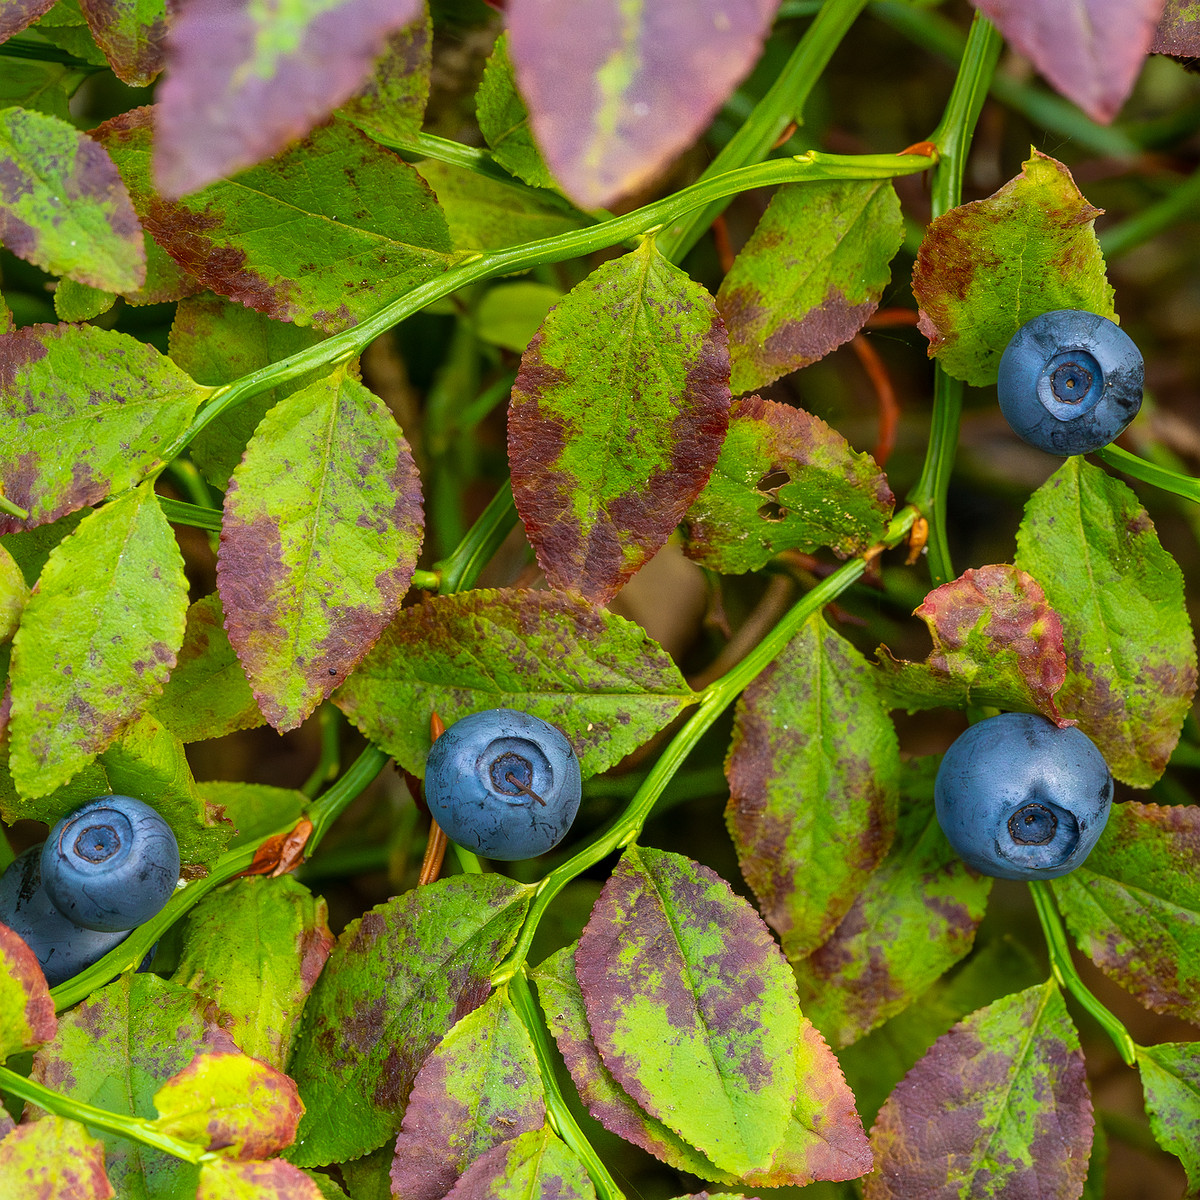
183 513
483 539
136 1129
38 51
427 581
1178 484
1064 971
13 510
563 1123
329 720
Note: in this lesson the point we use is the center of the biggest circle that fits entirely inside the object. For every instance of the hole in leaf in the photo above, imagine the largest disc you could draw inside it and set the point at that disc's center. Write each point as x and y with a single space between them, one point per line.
773 512
773 480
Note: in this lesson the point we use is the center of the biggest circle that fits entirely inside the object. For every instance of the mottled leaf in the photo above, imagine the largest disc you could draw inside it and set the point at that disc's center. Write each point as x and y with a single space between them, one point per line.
246 79
995 642
813 770
131 33
256 809
532 1164
1134 905
64 207
1131 656
1171 1081
481 1086
16 15
1178 32
504 120
271 1180
596 676
914 918
87 413
616 419
26 1011
692 1006
1089 50
999 1106
320 537
644 81
400 977
255 949
987 267
97 639
14 595
325 234
784 480
53 1159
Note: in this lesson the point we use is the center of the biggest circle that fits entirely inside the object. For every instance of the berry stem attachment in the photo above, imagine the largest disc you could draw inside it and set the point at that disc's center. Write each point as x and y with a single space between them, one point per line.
435 847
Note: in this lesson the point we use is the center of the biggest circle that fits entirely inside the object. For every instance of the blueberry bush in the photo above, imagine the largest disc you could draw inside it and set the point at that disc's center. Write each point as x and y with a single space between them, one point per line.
366 366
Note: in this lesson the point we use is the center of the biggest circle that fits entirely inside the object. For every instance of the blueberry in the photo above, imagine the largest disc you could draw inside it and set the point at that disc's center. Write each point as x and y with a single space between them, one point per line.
1020 798
1070 381
62 947
503 784
111 864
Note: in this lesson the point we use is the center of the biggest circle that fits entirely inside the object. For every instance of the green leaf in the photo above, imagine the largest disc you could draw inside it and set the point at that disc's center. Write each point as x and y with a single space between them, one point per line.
45 87
1134 905
208 694
256 809
813 770
532 1164
320 537
784 481
692 1006
616 420
87 413
271 1180
504 120
1012 1078
255 948
987 267
14 595
596 676
230 1103
131 33
995 642
53 1159
509 313
481 1086
1171 1081
391 105
399 979
77 302
809 277
325 234
1131 657
914 918
64 207
26 1011
97 640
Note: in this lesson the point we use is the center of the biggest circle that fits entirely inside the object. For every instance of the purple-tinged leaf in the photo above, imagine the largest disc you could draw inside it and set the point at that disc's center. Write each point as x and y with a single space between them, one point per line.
26 1011
97 639
63 206
270 1180
597 676
784 480
1089 50
1131 655
1178 32
692 1006
617 418
1171 1082
995 642
399 979
131 34
1134 905
813 772
532 1164
987 267
246 78
322 526
325 234
86 414
643 82
998 1107
481 1086
504 120
53 1159
16 15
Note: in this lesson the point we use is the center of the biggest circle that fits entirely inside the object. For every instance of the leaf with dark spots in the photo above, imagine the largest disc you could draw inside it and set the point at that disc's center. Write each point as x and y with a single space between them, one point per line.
247 79
809 277
532 1164
987 267
63 206
481 1086
813 771
53 1158
322 526
325 234
644 81
97 639
131 33
597 676
87 413
504 120
16 15
274 1179
1134 905
1131 655
1178 32
913 919
26 1011
692 1007
399 979
1171 1082
995 642
784 480
998 1106
616 420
